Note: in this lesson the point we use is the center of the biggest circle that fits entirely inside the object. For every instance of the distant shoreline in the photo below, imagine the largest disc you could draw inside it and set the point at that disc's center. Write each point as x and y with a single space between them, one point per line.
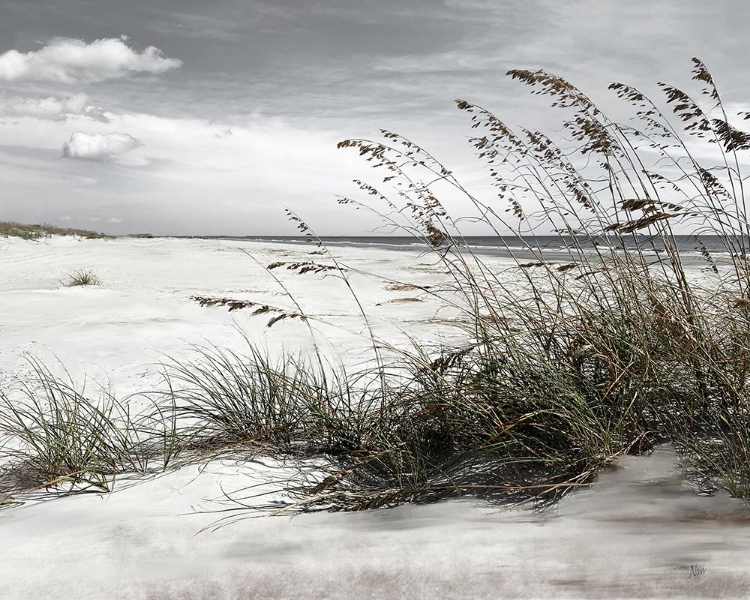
529 248
551 247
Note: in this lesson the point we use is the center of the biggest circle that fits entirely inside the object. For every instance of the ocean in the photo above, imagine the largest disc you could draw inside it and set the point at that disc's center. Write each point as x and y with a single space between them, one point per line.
550 247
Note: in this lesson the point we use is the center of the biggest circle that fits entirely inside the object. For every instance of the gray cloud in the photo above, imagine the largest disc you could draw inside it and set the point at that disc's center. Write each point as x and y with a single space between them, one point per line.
96 113
328 68
224 133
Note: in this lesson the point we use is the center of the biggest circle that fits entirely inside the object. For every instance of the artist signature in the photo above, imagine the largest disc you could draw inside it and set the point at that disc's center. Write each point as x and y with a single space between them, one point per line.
694 570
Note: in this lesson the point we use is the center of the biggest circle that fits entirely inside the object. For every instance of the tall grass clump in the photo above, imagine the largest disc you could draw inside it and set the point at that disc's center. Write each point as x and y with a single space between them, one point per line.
54 436
607 345
223 399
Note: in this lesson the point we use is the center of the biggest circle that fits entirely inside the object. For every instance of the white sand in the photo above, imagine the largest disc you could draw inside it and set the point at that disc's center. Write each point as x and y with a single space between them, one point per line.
636 533
143 311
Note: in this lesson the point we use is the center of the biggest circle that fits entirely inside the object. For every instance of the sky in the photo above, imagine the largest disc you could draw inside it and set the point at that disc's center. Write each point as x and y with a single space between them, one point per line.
187 117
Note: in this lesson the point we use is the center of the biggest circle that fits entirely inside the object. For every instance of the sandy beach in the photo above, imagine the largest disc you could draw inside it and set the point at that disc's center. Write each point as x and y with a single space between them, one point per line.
341 300
143 311
639 531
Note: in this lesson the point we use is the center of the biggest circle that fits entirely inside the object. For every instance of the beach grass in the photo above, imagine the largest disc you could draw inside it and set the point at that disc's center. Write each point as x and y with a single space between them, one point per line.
81 277
56 437
610 347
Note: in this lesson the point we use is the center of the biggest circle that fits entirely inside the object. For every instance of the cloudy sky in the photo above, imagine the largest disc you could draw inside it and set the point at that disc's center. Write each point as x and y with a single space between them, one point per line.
195 117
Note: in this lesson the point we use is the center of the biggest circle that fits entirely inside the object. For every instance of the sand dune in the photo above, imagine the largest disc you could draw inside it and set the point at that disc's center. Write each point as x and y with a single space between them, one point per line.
640 531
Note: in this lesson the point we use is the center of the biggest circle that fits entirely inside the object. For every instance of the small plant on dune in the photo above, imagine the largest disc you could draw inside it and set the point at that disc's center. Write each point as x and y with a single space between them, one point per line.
81 277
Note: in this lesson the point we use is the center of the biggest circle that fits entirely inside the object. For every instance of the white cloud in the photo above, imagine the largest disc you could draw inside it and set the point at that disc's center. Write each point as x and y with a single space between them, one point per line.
65 218
67 60
53 108
113 220
107 147
182 164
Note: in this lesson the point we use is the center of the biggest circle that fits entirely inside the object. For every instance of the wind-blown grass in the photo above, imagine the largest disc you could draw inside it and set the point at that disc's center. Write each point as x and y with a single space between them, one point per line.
54 436
612 345
606 347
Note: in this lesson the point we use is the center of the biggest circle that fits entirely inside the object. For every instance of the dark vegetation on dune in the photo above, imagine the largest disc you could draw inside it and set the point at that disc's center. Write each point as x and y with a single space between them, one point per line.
35 232
44 230
568 363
